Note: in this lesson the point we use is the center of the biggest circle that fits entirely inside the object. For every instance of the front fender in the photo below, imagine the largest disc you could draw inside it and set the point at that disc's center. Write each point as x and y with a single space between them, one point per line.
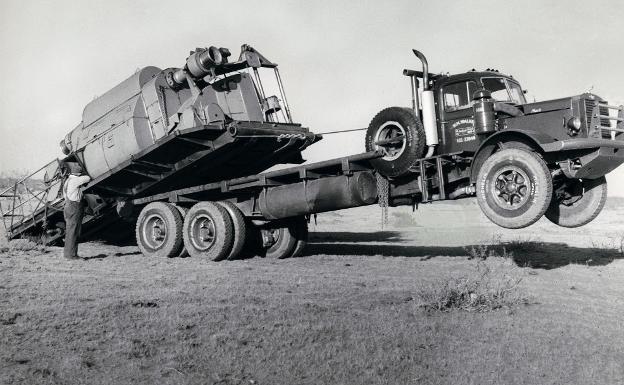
532 139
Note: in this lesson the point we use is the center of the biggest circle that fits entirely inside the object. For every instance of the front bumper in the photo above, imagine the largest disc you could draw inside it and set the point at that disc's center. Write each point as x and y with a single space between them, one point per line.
582 144
603 157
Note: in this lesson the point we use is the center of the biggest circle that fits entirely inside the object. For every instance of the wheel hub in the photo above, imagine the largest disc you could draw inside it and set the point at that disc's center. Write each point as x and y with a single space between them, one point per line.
203 232
155 231
512 188
391 139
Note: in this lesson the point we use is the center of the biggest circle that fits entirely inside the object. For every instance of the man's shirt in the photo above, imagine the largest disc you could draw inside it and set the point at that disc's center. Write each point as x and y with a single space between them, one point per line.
71 189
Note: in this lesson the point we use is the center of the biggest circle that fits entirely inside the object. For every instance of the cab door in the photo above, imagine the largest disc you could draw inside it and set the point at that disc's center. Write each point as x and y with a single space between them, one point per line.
457 118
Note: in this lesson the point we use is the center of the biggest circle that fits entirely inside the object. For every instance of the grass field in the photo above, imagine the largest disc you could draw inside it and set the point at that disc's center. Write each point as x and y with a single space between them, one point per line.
349 312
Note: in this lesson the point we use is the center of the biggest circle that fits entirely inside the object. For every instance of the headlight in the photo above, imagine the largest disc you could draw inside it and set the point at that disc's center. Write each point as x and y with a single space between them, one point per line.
574 124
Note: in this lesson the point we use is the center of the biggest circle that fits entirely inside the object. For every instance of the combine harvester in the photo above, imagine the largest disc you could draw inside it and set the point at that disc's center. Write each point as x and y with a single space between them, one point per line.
179 154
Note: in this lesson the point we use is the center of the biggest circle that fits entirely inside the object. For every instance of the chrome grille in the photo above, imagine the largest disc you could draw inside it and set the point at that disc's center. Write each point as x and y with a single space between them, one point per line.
589 107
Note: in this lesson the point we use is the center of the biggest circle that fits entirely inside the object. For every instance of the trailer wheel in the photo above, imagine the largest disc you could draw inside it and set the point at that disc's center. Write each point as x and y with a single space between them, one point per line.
208 231
514 188
577 202
288 239
400 135
159 230
183 211
240 229
302 237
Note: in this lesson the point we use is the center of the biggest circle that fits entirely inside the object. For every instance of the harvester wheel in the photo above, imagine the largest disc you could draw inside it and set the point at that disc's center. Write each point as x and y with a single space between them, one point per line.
400 135
514 188
289 238
159 230
208 231
577 202
240 228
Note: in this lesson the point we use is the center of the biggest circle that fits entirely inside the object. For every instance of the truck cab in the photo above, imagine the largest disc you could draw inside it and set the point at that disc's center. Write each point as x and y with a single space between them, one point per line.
474 133
454 104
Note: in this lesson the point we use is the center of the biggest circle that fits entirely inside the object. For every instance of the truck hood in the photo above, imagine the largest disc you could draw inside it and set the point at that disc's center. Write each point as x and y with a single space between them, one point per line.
548 105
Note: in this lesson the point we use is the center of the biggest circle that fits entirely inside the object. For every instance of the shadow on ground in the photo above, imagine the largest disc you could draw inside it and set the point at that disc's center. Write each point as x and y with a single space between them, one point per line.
539 255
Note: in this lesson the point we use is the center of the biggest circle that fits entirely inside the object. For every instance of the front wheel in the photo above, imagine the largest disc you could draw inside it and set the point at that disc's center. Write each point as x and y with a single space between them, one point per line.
577 202
514 188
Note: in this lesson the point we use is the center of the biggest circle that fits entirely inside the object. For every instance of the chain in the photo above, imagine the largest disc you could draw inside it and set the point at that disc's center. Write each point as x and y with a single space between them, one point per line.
383 187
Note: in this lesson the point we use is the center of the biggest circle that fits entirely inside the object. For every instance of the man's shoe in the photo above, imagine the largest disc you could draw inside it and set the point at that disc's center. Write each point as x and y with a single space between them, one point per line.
73 258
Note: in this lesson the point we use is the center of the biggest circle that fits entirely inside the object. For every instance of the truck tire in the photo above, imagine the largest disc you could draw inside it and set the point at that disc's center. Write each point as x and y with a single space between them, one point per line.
240 229
183 211
581 203
208 231
159 230
302 237
395 122
514 188
289 237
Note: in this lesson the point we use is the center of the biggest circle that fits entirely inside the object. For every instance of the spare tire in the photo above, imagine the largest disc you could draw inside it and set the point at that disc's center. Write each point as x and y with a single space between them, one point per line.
400 135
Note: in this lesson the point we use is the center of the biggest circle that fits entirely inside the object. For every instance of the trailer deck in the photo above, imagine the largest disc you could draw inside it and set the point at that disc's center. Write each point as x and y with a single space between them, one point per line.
410 189
333 167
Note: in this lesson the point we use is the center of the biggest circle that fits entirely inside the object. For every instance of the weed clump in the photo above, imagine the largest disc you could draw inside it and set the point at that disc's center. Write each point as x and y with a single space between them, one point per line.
481 291
22 246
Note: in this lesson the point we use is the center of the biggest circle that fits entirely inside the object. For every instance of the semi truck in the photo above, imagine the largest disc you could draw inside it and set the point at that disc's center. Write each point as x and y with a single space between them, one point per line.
181 156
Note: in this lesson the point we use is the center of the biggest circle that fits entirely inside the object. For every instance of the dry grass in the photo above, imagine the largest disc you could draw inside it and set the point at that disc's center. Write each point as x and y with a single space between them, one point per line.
494 248
347 313
481 289
323 319
19 246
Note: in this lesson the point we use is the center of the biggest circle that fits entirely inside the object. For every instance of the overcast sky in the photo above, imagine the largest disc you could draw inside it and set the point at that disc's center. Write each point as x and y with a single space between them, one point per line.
341 61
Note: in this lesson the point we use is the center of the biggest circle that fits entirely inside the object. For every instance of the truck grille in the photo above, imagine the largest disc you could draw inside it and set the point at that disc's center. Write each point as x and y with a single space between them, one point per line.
589 107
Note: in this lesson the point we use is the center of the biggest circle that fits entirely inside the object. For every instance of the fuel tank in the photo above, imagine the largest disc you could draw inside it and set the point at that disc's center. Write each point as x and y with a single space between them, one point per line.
319 195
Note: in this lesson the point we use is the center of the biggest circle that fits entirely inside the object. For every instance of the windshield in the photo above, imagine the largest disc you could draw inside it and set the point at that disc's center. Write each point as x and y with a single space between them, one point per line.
504 90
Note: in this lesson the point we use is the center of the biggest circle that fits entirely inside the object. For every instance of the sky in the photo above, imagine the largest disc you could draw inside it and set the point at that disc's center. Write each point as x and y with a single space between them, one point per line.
341 61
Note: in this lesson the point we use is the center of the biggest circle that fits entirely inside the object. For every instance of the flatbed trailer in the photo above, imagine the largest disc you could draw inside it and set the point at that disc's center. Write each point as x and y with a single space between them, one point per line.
276 204
410 189
269 201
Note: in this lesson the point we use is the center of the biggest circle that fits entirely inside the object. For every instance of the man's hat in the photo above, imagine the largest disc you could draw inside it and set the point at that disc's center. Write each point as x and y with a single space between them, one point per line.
74 168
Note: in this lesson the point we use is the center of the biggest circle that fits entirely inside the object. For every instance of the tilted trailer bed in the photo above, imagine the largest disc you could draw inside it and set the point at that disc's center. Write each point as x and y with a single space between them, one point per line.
273 201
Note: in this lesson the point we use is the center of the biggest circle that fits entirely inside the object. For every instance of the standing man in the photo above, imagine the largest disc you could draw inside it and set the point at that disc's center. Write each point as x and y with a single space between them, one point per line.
74 208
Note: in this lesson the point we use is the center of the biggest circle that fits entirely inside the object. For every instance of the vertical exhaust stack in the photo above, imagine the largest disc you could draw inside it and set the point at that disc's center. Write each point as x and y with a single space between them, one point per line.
428 108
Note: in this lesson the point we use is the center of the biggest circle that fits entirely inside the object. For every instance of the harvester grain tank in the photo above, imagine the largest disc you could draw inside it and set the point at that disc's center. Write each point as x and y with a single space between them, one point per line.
217 110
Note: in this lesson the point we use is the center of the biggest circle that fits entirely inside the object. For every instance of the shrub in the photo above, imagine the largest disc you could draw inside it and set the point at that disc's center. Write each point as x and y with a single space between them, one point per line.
483 290
23 245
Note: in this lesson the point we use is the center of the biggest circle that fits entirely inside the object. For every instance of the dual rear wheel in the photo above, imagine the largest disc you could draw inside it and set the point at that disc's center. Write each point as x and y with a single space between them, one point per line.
215 231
